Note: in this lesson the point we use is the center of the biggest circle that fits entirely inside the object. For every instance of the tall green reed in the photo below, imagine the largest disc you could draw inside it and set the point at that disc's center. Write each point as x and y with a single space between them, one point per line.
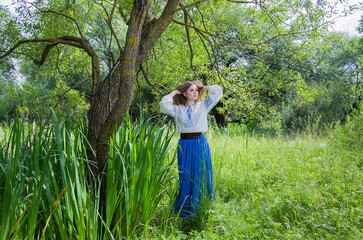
44 192
139 173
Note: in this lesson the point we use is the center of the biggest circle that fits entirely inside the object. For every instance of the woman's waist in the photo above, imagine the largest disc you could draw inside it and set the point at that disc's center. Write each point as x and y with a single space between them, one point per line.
190 135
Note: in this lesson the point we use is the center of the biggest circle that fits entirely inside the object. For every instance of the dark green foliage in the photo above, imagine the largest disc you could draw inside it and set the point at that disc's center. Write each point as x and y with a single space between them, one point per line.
143 98
9 99
349 137
328 105
9 81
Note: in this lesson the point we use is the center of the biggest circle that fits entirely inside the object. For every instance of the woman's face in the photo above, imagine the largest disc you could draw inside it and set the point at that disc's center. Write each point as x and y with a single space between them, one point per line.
192 93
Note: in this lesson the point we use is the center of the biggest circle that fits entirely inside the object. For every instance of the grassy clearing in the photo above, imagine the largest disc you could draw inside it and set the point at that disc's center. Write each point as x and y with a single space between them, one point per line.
282 188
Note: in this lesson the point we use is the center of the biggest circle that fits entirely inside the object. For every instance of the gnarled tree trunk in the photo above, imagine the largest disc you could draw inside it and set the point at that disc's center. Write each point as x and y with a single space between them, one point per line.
112 97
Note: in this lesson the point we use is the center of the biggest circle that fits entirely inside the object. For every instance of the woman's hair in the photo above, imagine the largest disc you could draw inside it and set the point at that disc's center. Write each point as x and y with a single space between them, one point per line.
180 99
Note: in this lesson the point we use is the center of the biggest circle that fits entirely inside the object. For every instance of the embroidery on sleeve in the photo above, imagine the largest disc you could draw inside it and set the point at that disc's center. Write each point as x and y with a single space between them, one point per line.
208 102
188 123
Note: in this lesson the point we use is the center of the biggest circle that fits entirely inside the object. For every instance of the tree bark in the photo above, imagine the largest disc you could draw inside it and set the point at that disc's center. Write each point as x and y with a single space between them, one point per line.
112 97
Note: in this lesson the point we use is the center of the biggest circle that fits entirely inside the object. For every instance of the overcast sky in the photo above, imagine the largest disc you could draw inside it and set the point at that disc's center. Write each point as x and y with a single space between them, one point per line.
344 24
349 23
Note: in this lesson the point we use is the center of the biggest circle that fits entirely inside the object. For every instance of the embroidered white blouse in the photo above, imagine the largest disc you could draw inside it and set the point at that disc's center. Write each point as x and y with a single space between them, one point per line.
190 119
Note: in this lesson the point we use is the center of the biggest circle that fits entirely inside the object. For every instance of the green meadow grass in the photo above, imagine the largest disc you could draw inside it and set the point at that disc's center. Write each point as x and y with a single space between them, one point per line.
301 187
281 188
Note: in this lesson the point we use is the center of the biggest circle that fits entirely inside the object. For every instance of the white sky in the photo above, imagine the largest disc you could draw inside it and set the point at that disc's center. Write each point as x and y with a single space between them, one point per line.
343 24
348 23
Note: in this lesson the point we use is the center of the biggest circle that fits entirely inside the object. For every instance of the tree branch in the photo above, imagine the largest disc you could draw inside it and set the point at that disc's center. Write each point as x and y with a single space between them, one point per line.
152 32
121 11
217 68
292 33
189 5
200 1
188 36
45 53
214 35
61 14
147 79
113 10
212 45
109 23
246 2
68 40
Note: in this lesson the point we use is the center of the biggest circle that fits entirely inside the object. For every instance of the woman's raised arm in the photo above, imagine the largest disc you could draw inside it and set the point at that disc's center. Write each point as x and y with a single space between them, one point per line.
166 103
215 94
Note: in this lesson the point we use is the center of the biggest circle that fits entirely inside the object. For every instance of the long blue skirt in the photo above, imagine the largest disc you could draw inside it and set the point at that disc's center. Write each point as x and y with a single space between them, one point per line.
195 176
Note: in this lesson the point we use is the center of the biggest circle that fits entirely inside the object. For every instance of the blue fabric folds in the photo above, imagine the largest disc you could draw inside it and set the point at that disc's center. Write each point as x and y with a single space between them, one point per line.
195 176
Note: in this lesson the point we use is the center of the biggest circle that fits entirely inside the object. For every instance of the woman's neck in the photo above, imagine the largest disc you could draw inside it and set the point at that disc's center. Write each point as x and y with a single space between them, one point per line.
189 103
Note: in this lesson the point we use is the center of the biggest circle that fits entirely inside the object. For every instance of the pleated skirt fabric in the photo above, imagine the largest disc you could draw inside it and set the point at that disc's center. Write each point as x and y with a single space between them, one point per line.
195 176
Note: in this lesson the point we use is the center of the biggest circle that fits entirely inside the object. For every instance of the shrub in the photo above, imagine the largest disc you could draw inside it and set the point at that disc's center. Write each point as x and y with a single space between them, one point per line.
348 138
327 105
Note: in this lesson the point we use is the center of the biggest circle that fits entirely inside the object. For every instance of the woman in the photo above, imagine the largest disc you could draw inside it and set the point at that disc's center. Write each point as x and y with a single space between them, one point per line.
190 111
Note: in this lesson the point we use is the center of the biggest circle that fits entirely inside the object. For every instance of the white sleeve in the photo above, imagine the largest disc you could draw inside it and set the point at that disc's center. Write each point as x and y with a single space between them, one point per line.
167 106
215 94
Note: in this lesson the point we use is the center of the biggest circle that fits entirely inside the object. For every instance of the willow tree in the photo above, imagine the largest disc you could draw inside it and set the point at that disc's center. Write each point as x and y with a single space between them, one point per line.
111 96
134 27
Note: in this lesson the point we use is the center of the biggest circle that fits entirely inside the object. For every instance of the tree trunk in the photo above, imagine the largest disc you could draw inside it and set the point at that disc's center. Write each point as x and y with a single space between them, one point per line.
112 97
